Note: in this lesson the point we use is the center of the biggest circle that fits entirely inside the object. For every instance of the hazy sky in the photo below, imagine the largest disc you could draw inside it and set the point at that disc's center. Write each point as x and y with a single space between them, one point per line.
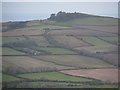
42 10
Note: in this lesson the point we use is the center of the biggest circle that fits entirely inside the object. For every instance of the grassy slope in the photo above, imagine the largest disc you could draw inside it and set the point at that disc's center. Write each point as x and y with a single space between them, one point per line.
90 21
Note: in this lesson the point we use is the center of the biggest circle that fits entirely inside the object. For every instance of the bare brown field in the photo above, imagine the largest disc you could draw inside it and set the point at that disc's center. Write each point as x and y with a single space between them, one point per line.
28 63
105 75
109 29
80 32
20 32
70 41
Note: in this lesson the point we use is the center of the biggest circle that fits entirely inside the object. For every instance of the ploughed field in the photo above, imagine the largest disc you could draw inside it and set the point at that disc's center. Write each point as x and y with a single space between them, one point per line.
60 55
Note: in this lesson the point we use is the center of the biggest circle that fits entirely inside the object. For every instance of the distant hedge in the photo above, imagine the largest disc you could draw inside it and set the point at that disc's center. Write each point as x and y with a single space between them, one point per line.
63 16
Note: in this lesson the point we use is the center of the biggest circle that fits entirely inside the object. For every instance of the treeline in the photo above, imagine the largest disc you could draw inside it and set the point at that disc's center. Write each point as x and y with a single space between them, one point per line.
13 25
63 16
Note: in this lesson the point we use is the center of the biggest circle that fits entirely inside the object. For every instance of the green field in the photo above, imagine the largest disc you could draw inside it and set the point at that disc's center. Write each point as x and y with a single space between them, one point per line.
12 39
96 42
53 76
56 50
41 27
98 45
10 51
8 78
110 39
75 61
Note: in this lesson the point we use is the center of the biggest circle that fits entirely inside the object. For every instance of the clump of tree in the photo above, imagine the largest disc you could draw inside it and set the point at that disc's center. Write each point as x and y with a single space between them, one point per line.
63 16
13 25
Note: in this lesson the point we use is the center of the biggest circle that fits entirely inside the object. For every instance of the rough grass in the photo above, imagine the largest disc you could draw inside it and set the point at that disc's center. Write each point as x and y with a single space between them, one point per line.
75 60
53 76
53 50
10 51
90 21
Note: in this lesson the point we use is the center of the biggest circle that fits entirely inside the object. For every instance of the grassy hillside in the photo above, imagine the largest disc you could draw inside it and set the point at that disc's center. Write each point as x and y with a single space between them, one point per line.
89 21
35 52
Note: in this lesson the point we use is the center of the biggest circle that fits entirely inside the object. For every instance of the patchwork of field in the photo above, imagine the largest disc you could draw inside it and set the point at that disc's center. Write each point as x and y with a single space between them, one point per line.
29 64
42 27
106 75
75 61
81 53
22 32
82 32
